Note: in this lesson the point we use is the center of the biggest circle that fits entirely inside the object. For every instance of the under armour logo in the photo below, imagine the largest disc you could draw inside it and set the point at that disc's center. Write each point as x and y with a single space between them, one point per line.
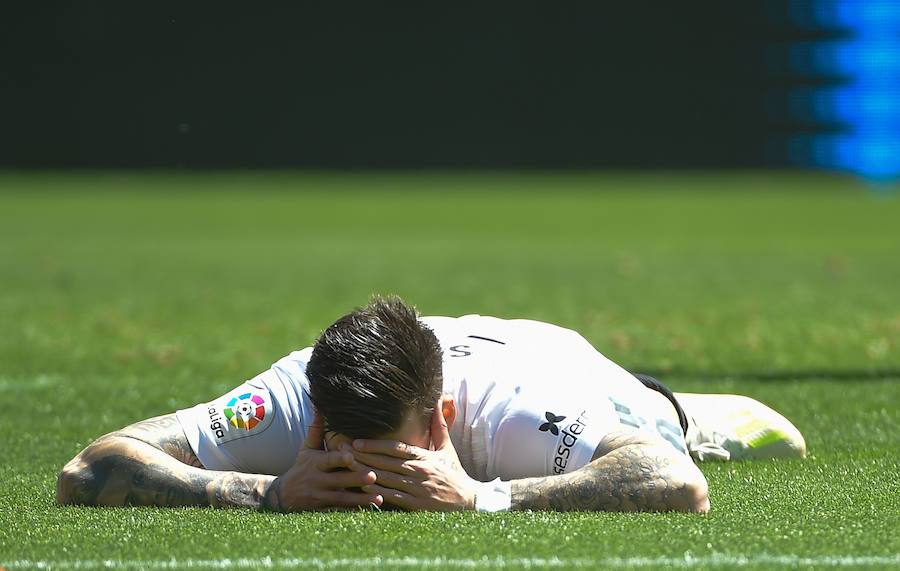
550 425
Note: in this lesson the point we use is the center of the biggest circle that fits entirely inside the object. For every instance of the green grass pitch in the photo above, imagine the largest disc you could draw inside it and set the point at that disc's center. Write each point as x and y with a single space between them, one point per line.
126 295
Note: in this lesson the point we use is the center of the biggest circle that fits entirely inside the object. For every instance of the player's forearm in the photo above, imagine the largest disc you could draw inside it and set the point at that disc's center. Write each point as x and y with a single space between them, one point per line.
630 478
119 470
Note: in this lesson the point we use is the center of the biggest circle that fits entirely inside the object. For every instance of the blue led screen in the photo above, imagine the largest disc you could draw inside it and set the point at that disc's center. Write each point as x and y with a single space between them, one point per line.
853 72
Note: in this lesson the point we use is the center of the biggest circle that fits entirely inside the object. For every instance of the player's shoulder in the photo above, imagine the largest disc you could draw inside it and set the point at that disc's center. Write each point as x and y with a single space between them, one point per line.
517 330
445 327
292 366
445 320
476 320
444 324
300 356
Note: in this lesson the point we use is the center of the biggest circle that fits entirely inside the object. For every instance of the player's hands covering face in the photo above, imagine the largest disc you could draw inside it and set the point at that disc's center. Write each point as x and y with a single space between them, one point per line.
415 478
320 479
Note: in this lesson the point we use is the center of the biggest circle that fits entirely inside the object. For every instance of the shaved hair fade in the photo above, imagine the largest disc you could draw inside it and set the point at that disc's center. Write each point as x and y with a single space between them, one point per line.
374 367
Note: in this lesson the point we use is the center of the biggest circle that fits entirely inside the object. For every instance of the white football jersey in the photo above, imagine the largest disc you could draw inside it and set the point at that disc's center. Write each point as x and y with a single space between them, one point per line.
532 399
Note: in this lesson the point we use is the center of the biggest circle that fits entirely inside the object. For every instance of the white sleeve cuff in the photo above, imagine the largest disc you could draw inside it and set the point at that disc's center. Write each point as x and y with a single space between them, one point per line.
494 496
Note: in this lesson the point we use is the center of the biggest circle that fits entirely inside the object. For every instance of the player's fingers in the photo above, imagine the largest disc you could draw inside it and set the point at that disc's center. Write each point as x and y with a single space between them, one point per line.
393 448
394 497
440 433
345 499
407 484
396 465
328 461
315 434
371 507
344 479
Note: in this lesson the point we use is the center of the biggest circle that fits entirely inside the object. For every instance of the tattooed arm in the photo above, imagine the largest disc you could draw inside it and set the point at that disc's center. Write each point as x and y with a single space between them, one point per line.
151 463
630 471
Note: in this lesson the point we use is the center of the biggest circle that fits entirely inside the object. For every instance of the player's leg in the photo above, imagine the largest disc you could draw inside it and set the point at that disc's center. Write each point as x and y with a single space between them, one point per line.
735 427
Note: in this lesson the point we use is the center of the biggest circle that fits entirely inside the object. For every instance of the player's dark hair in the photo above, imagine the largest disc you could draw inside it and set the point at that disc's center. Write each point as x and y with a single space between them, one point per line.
374 367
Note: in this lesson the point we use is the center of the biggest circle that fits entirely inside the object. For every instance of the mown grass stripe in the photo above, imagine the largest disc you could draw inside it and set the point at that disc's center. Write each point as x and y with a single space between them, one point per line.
715 560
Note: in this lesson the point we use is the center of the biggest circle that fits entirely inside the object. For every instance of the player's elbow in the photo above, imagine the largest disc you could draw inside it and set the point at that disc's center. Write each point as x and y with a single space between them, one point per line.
694 494
80 482
72 481
697 496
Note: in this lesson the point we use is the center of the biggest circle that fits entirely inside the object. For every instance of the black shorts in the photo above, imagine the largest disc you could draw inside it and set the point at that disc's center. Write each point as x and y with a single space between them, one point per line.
657 386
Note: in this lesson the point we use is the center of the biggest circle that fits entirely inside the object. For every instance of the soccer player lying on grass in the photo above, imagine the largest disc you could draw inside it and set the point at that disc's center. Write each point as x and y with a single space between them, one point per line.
433 413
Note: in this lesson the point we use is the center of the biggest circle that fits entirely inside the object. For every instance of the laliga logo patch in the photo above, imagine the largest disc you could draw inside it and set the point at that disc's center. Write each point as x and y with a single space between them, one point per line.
244 414
245 411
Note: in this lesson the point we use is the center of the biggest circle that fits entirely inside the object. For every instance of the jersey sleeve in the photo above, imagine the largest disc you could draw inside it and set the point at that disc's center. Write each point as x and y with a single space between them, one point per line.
258 427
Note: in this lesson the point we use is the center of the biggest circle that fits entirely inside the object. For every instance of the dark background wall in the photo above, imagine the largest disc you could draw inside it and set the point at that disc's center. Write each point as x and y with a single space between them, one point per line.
394 84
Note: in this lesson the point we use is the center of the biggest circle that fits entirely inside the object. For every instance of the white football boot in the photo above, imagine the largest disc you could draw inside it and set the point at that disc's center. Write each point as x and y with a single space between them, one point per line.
734 427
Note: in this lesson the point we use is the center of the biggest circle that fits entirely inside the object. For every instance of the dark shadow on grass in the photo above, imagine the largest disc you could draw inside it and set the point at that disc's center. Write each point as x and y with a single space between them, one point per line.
798 375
